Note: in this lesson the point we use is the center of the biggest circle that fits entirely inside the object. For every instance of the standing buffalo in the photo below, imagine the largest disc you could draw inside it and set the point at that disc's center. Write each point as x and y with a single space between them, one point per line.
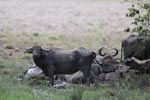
58 61
136 46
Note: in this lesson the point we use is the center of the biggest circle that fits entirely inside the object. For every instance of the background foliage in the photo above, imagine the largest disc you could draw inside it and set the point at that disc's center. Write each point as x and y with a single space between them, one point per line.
140 12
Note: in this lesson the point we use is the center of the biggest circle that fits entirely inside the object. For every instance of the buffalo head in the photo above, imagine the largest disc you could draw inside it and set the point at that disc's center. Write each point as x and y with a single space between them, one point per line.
35 50
105 54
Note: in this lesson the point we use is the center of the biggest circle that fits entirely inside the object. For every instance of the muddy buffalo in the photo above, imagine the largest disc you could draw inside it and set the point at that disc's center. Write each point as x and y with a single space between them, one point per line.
58 61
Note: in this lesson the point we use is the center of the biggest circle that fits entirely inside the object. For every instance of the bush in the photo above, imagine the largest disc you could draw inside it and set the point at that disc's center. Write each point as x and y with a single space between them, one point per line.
140 12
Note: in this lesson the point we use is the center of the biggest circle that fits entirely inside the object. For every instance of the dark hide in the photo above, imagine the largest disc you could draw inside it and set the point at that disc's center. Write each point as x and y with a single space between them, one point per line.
103 68
106 64
136 46
58 61
141 65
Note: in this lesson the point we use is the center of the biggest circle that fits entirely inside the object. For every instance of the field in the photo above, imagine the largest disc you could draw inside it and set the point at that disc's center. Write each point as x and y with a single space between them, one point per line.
68 24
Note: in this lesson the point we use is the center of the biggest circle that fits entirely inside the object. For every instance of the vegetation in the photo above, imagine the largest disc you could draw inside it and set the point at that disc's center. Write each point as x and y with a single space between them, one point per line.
13 63
11 89
140 12
12 67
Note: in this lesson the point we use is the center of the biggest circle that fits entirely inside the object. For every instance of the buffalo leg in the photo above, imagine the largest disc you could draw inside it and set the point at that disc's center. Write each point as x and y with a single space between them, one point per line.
51 80
51 71
94 78
86 73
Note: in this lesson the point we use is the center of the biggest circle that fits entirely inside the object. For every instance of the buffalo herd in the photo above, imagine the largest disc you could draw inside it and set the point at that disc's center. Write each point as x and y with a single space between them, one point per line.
67 64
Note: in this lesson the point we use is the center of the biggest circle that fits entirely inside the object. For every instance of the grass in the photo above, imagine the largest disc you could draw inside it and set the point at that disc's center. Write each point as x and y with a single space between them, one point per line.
12 67
12 89
15 90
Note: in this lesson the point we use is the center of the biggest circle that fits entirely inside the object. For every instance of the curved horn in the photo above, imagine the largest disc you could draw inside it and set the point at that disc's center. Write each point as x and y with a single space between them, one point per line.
100 51
29 50
116 53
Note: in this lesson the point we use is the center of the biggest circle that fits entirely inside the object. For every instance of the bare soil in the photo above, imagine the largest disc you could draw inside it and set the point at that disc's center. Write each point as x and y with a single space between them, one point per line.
64 16
87 23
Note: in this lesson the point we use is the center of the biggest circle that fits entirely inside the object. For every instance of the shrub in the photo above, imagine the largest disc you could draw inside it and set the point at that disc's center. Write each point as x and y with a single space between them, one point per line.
140 12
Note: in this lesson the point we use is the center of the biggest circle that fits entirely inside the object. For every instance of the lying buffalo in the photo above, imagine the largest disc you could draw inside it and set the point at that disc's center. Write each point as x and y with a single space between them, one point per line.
58 61
106 54
142 66
108 57
136 46
106 64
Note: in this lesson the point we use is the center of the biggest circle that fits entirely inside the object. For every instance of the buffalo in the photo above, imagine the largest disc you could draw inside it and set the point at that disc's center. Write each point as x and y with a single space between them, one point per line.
136 46
108 57
59 61
106 64
142 66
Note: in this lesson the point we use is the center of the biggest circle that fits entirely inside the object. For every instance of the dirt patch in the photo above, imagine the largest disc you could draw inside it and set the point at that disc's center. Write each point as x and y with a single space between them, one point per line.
84 23
63 16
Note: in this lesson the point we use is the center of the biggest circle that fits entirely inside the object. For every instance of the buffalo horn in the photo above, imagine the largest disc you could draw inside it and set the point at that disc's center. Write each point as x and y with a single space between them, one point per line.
100 51
29 50
116 53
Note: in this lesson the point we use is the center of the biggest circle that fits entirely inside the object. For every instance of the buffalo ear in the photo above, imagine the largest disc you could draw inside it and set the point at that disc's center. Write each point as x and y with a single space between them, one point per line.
28 50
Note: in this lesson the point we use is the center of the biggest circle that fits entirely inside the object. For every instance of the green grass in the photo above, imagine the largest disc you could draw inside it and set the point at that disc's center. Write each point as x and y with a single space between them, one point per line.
11 90
12 67
14 90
